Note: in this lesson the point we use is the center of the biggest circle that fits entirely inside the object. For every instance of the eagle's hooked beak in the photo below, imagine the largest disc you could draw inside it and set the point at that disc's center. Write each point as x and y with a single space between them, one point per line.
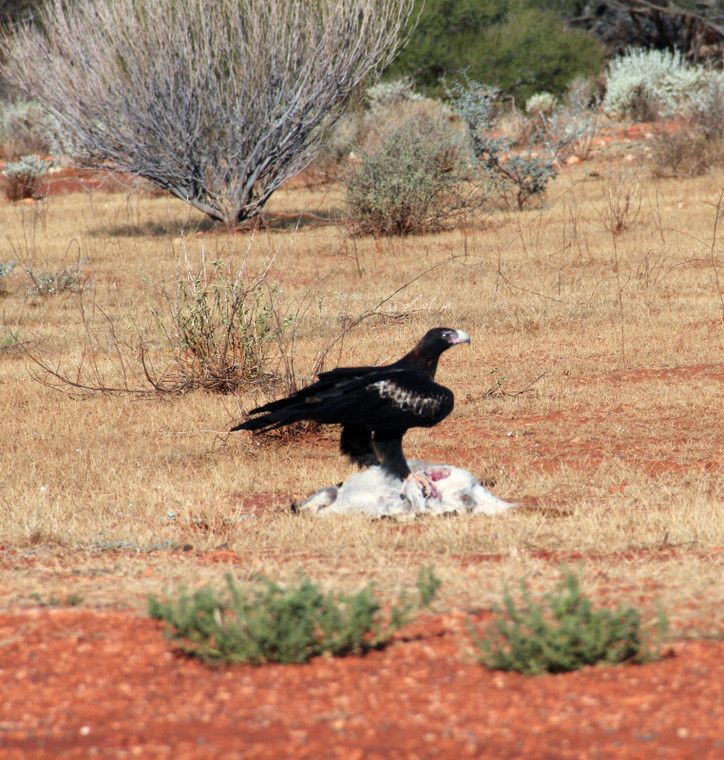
461 337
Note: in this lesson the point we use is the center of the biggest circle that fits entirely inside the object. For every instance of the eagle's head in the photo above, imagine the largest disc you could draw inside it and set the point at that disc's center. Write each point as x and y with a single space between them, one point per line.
426 353
440 339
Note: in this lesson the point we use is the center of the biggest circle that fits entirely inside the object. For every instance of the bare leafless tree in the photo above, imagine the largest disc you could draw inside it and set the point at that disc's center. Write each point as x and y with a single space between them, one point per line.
217 102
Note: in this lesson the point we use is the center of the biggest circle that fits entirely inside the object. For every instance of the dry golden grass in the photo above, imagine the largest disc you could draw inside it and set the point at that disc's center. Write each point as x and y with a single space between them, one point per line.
620 433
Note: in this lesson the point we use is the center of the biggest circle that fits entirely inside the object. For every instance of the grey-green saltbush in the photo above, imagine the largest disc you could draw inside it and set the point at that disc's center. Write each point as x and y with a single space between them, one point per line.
541 103
26 128
67 279
413 180
25 175
650 84
266 622
392 92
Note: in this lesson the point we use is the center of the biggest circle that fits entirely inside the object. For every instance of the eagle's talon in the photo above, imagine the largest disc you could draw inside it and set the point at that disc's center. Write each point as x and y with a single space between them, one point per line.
426 485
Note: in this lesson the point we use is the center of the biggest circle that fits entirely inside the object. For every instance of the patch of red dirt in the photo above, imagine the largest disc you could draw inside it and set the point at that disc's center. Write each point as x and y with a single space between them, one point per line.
78 684
663 553
70 179
706 371
643 131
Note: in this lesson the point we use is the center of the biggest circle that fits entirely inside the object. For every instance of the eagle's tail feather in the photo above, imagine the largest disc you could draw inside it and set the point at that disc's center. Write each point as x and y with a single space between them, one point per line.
272 420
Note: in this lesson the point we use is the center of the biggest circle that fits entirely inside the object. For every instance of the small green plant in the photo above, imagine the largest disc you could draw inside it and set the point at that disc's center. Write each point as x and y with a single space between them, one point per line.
565 634
25 176
9 339
428 584
266 622
218 326
412 181
71 600
67 279
498 381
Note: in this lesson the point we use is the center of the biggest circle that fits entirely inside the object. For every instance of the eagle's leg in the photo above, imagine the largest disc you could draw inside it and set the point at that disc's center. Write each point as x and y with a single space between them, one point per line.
356 443
388 447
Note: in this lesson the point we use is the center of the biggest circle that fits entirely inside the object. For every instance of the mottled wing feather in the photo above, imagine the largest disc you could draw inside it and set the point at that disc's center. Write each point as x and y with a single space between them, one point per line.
390 399
430 404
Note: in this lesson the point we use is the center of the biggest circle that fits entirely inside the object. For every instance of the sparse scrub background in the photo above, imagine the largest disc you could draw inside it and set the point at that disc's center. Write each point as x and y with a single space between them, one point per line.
591 392
520 47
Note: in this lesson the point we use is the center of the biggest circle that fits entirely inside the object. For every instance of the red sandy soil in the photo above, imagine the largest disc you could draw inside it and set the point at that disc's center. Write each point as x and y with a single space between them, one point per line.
81 683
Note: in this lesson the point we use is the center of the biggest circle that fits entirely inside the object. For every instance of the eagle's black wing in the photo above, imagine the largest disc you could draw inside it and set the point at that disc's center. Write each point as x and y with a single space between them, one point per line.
383 399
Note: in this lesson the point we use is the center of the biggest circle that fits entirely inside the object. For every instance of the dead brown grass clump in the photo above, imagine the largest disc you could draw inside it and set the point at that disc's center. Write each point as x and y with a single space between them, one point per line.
686 154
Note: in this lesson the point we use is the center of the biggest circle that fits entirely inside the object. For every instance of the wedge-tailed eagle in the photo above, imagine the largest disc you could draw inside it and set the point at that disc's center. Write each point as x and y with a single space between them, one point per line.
376 406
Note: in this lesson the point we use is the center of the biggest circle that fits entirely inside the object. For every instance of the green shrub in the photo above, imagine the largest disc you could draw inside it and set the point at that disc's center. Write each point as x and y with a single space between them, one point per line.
566 634
412 181
268 623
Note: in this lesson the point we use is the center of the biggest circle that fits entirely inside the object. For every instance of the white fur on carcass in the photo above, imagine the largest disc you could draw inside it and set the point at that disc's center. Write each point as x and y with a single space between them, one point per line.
378 494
